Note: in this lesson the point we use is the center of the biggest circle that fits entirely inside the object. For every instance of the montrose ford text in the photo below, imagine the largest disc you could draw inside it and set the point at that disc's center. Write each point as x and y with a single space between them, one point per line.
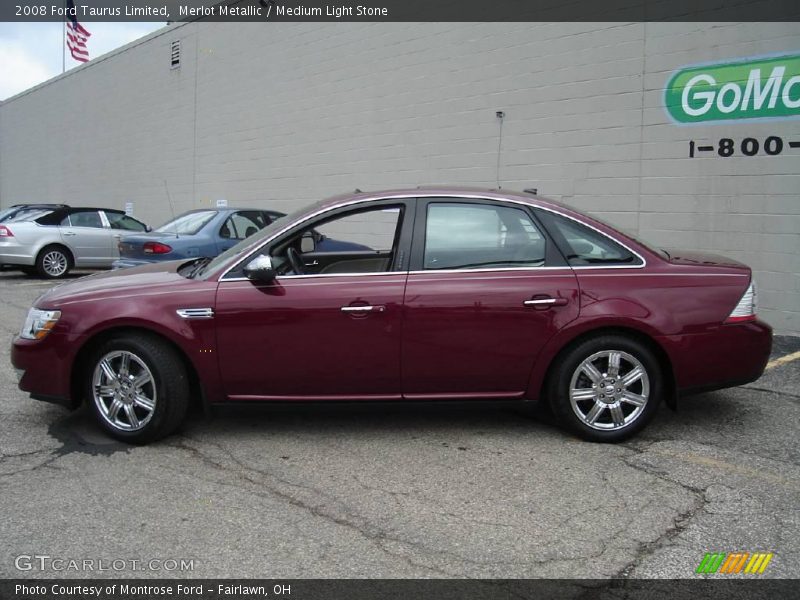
125 589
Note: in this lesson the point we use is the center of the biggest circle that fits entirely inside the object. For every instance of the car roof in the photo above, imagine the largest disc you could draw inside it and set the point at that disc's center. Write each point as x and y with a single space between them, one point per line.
55 217
39 205
445 191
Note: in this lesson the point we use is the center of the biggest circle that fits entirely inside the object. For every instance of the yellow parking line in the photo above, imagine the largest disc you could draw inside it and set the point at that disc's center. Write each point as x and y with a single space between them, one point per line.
783 360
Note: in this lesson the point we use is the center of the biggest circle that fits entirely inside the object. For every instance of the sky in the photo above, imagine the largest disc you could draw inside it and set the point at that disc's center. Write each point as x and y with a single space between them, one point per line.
30 53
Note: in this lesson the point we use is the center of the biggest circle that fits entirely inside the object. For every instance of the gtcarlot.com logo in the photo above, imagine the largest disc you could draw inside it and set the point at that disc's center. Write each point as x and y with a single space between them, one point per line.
734 563
44 562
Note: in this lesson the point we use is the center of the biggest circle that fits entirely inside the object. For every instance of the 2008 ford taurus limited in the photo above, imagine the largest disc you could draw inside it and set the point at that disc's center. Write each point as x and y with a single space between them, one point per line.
452 294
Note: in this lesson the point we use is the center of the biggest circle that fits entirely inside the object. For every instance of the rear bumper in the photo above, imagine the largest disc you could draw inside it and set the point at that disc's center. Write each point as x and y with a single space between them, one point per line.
43 368
16 255
728 356
125 263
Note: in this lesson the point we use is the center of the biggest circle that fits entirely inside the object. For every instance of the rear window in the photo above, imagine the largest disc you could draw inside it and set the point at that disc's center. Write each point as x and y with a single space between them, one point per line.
188 224
29 215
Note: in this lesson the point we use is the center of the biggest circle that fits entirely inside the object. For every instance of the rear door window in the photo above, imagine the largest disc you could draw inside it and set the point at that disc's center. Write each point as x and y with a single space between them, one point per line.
85 218
480 236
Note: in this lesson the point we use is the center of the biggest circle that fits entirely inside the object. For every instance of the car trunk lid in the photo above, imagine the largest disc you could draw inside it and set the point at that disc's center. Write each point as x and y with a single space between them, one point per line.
132 246
704 259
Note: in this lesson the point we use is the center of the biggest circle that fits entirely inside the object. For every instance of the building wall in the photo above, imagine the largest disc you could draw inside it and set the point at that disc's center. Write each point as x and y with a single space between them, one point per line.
284 114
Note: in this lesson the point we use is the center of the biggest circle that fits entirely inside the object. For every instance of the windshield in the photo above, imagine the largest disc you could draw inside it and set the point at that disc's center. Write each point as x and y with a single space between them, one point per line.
189 223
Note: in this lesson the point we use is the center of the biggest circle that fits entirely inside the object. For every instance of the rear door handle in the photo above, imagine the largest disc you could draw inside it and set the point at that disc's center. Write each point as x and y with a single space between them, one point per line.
545 302
69 233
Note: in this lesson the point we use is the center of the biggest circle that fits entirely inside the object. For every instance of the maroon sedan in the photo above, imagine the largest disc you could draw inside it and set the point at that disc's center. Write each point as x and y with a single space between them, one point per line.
452 294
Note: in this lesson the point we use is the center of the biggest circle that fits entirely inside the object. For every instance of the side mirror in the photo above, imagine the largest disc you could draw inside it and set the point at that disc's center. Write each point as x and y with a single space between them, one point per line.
147 228
260 269
307 242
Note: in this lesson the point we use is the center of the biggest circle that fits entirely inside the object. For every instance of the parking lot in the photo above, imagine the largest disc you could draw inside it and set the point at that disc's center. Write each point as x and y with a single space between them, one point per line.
400 491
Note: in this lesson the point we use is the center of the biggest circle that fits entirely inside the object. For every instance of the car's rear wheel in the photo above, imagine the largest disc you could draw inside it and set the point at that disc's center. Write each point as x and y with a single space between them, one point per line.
139 388
53 262
606 388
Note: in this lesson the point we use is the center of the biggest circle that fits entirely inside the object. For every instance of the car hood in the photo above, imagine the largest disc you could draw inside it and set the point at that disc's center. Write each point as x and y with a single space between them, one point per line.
705 259
122 283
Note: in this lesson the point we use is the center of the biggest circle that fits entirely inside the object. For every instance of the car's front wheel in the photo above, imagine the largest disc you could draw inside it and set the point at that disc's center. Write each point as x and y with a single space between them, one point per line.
138 386
606 388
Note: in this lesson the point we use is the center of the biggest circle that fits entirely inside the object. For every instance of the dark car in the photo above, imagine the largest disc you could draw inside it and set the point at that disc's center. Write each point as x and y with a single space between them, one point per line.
463 294
197 233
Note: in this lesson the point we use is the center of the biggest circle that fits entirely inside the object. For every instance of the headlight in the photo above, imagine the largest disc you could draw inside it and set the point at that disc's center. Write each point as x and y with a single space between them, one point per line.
39 323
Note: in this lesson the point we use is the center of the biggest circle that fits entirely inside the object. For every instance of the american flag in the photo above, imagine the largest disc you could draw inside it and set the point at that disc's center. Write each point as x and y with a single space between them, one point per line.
76 35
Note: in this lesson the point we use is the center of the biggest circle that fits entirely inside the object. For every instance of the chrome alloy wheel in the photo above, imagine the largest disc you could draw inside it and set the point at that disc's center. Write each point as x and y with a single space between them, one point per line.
124 390
609 390
55 263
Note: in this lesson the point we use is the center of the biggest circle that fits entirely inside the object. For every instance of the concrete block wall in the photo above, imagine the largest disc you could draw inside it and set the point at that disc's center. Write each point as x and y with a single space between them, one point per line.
280 115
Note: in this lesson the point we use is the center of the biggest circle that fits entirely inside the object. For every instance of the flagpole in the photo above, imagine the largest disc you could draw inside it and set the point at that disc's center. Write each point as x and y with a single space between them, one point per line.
64 42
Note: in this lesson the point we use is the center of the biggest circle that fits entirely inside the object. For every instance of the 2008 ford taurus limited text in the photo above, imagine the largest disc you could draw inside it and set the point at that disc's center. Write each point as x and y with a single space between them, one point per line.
452 294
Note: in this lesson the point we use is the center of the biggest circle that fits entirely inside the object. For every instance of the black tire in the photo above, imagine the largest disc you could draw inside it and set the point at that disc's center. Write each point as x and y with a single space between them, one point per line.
170 383
46 258
615 403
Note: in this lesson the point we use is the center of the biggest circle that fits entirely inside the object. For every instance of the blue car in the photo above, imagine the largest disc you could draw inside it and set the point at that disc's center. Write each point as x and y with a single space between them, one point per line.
203 232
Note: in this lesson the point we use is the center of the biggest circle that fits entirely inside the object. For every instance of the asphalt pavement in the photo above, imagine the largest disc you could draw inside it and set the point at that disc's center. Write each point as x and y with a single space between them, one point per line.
464 490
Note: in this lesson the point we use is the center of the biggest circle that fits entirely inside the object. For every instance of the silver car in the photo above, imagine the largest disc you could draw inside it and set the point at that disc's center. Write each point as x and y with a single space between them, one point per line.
54 241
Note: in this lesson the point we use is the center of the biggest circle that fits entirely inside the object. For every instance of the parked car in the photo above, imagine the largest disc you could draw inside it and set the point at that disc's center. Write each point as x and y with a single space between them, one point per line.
464 294
197 233
55 241
17 211
206 233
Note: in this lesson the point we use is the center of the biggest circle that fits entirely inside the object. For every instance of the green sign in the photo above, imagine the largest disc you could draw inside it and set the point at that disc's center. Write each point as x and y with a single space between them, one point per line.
755 89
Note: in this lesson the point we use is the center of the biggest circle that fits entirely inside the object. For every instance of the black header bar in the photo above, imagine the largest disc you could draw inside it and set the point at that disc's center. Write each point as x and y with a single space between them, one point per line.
268 11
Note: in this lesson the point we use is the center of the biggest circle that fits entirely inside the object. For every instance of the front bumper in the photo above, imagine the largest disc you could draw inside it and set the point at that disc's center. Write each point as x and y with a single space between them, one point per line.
730 355
43 368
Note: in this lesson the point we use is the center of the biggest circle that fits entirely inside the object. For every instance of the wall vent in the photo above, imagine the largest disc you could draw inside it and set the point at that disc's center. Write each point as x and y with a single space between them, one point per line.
175 55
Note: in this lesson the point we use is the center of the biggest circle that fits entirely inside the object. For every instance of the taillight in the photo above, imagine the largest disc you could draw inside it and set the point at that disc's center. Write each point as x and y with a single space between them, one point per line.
5 231
156 248
746 308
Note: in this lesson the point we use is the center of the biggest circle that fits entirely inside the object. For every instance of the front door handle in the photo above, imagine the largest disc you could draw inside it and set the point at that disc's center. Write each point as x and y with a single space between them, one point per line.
362 309
545 302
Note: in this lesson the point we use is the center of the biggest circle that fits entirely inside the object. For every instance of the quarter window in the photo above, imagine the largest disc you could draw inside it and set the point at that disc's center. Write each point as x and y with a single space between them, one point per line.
476 236
584 246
